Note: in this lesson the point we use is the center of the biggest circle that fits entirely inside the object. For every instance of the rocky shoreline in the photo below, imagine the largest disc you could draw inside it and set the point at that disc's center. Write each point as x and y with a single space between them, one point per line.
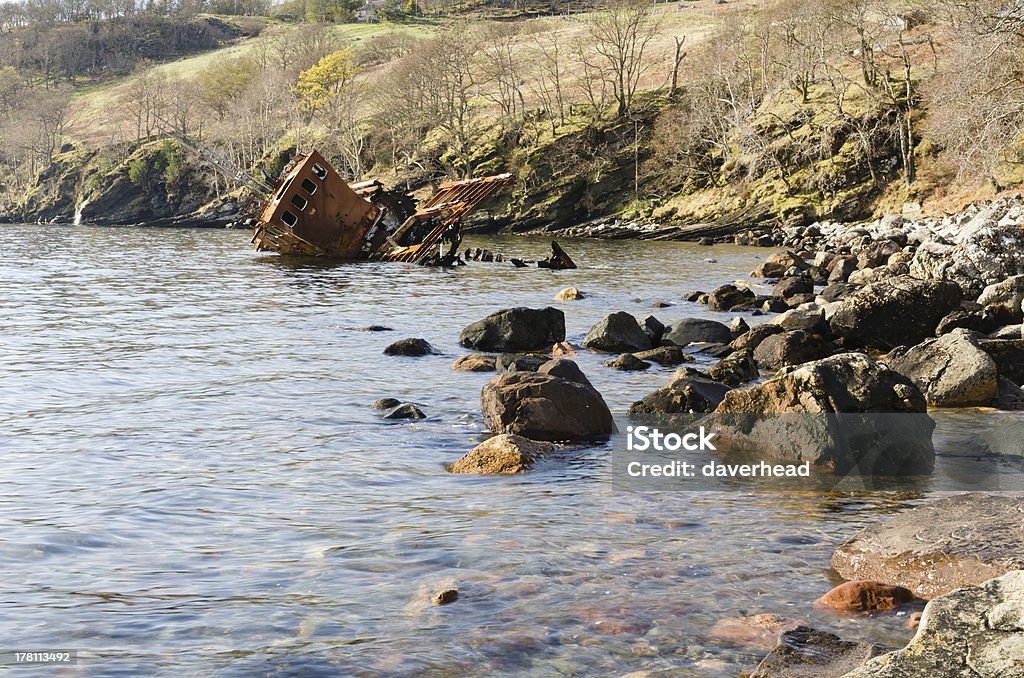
893 317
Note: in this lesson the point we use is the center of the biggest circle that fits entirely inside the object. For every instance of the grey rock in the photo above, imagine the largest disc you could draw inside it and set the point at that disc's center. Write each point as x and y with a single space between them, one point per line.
877 254
616 333
837 291
653 328
795 417
982 254
811 320
753 338
951 371
840 269
790 348
1008 332
405 411
790 287
684 332
544 407
774 305
518 362
688 391
735 369
410 347
976 631
982 320
1005 298
895 312
565 369
1008 355
738 326
516 329
627 362
727 297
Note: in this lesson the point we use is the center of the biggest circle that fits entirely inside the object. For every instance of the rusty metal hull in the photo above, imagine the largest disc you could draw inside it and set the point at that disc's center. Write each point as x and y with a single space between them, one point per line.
314 212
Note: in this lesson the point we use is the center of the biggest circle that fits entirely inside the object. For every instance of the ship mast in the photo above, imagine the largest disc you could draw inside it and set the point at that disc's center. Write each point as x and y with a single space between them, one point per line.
223 165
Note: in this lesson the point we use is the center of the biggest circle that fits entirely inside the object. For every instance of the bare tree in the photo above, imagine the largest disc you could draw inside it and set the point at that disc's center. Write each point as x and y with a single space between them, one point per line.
145 100
621 35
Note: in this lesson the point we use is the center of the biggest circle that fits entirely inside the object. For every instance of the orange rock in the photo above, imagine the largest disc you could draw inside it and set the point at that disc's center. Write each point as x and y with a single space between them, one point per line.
864 595
562 348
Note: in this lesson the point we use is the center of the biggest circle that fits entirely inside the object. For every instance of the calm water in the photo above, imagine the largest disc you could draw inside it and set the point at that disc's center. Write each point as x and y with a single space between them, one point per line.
193 481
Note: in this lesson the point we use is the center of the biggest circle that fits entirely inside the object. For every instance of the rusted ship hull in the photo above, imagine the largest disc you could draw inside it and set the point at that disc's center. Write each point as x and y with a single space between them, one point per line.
314 212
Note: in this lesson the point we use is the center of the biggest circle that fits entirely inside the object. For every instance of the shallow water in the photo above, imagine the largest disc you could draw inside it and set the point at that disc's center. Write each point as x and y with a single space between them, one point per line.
193 481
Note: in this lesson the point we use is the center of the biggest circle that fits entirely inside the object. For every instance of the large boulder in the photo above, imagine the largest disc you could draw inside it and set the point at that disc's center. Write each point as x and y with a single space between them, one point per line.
844 414
503 454
617 333
1008 355
894 312
958 541
729 296
977 632
695 330
516 329
1005 298
542 406
951 371
688 391
790 348
982 254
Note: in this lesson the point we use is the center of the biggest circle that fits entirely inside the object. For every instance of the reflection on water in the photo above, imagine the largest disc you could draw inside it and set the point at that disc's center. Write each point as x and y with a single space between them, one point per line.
192 479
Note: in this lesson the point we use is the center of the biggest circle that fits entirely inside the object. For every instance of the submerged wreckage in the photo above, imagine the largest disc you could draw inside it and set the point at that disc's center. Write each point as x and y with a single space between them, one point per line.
314 212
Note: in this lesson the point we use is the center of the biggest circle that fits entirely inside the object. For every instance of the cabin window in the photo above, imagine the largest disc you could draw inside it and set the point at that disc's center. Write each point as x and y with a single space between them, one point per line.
284 187
299 202
289 219
308 186
319 172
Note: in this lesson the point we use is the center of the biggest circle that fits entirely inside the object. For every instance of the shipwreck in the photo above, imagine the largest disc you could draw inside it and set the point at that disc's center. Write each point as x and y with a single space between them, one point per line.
314 212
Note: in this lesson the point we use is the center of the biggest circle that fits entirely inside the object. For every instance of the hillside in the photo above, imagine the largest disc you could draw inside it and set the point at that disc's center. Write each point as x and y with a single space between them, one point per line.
767 120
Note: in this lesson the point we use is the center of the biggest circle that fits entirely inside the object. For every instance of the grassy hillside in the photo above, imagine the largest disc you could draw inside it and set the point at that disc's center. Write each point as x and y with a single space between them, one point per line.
789 110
